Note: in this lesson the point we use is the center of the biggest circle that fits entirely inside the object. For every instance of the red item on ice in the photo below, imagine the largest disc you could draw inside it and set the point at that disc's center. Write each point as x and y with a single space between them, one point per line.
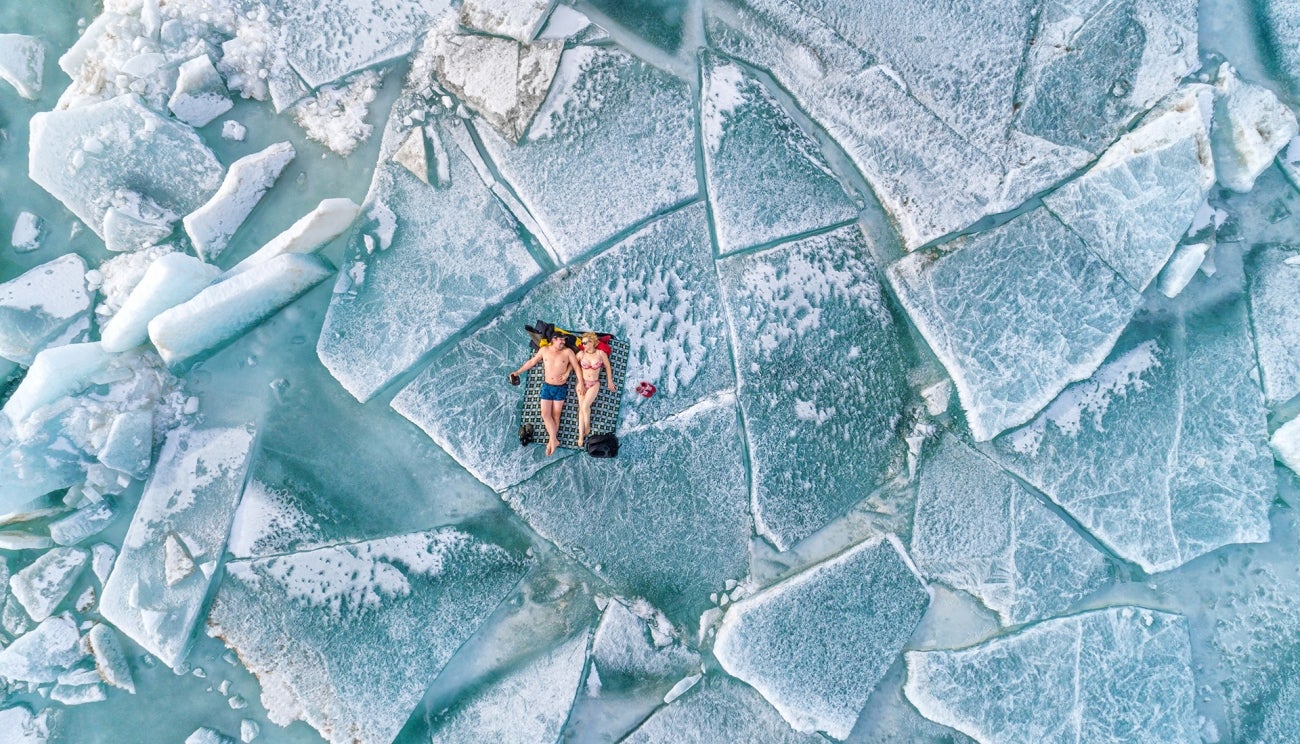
645 389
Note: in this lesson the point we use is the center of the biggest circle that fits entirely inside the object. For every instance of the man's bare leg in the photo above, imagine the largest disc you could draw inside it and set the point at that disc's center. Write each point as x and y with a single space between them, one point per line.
551 419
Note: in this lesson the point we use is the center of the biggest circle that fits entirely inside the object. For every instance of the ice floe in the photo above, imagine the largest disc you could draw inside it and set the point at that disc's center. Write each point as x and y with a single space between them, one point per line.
110 660
1286 444
43 584
27 234
22 63
41 655
211 226
1251 126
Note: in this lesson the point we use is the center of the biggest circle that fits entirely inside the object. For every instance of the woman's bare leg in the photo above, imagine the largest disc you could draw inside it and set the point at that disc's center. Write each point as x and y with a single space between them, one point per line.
551 419
584 412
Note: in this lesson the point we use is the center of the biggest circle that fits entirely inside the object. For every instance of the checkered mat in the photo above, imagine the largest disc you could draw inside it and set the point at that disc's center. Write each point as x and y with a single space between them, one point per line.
604 411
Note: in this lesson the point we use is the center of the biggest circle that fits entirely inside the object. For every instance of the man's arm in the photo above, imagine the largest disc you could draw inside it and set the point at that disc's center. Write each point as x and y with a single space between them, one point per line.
527 365
573 363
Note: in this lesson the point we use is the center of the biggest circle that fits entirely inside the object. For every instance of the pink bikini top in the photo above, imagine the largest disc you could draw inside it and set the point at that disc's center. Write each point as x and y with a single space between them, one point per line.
594 365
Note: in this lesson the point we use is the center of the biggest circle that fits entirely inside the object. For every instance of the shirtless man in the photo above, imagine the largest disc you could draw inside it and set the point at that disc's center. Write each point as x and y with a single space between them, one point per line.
558 360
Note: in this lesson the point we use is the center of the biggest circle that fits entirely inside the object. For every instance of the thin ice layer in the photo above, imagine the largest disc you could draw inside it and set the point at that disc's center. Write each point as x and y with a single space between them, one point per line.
190 498
817 644
657 521
40 304
978 530
1136 202
1273 273
1015 314
718 708
361 630
766 178
821 378
441 257
85 155
1121 674
573 170
1179 408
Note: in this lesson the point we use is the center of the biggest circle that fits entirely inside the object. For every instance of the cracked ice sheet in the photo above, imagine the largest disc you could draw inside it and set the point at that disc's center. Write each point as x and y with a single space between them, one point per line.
361 630
657 289
1274 276
190 499
1014 314
87 156
1179 408
657 521
454 252
816 645
572 169
978 530
717 709
821 378
1121 674
766 178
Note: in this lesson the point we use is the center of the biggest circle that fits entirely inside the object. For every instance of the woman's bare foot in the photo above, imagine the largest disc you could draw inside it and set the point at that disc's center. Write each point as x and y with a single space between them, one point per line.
550 448
580 441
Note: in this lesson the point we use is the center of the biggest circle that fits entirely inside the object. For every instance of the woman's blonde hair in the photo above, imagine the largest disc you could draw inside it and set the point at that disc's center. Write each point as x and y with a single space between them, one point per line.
591 338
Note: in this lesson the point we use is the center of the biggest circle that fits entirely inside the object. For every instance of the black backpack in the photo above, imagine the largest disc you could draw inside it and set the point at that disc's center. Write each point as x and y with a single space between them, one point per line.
602 445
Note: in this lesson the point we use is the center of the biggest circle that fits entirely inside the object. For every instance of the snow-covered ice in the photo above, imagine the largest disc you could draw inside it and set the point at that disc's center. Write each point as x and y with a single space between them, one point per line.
43 584
28 230
41 655
24 728
110 659
211 226
200 95
718 708
1251 126
517 19
87 521
1273 273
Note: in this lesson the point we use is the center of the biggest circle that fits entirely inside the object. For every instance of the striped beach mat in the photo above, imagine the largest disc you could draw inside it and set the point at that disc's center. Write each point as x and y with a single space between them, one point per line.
604 411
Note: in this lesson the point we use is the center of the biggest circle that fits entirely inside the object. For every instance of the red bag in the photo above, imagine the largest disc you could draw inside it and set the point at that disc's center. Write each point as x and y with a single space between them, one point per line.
645 389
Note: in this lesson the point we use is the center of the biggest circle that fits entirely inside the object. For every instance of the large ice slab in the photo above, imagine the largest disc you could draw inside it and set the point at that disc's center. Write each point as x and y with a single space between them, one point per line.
1251 126
43 584
1116 675
188 502
718 708
39 305
85 155
362 629
1273 273
22 63
1136 202
1015 314
766 178
211 226
447 255
821 378
978 530
172 279
573 171
657 521
1180 402
817 644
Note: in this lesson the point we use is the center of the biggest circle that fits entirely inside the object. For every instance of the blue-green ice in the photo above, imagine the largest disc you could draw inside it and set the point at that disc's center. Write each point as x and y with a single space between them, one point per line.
973 330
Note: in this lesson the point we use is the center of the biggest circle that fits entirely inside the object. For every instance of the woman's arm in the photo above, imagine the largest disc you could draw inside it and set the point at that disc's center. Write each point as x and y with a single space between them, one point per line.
609 372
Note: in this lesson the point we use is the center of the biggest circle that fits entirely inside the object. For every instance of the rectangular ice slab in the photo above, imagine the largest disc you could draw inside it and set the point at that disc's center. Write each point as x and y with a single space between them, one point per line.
359 631
816 644
766 178
190 500
1180 412
211 226
978 530
429 261
84 156
716 709
40 304
658 521
1015 314
1273 273
330 219
821 378
573 169
1120 675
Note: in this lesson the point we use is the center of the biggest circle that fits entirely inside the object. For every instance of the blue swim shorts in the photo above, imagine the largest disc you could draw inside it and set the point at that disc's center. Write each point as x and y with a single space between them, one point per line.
554 392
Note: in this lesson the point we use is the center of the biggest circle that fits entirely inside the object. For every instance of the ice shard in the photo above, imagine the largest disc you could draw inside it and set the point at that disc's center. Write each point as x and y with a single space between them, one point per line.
22 63
56 372
1280 27
1015 314
191 497
87 521
362 629
1273 273
37 306
766 178
718 708
978 530
821 374
200 94
572 169
42 654
110 660
330 219
816 644
169 281
1181 402
1121 674
1251 126
43 584
426 264
84 155
211 226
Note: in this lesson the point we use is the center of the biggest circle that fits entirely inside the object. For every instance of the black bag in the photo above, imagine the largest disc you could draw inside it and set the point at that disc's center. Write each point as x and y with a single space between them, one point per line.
525 435
602 445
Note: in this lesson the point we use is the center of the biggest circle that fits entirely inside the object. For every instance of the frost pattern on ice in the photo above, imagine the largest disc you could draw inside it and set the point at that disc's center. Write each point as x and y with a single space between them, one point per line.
718 708
1273 273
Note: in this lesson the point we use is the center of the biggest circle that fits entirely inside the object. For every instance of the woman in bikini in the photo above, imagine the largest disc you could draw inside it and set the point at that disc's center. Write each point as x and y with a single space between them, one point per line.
557 360
590 362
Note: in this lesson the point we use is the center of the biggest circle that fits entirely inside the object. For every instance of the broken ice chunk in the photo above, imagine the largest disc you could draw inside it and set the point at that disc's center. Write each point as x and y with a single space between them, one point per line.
316 228
24 728
41 586
233 131
766 178
978 530
205 735
39 305
192 493
572 171
78 694
55 373
1182 267
22 63
1274 278
816 644
806 400
132 223
110 661
517 19
200 94
129 446
716 709
211 226
1132 206
177 562
233 306
1015 314
359 630
85 522
1251 126
27 233
42 654
1121 674
101 560
413 155
1286 444
172 279
84 155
